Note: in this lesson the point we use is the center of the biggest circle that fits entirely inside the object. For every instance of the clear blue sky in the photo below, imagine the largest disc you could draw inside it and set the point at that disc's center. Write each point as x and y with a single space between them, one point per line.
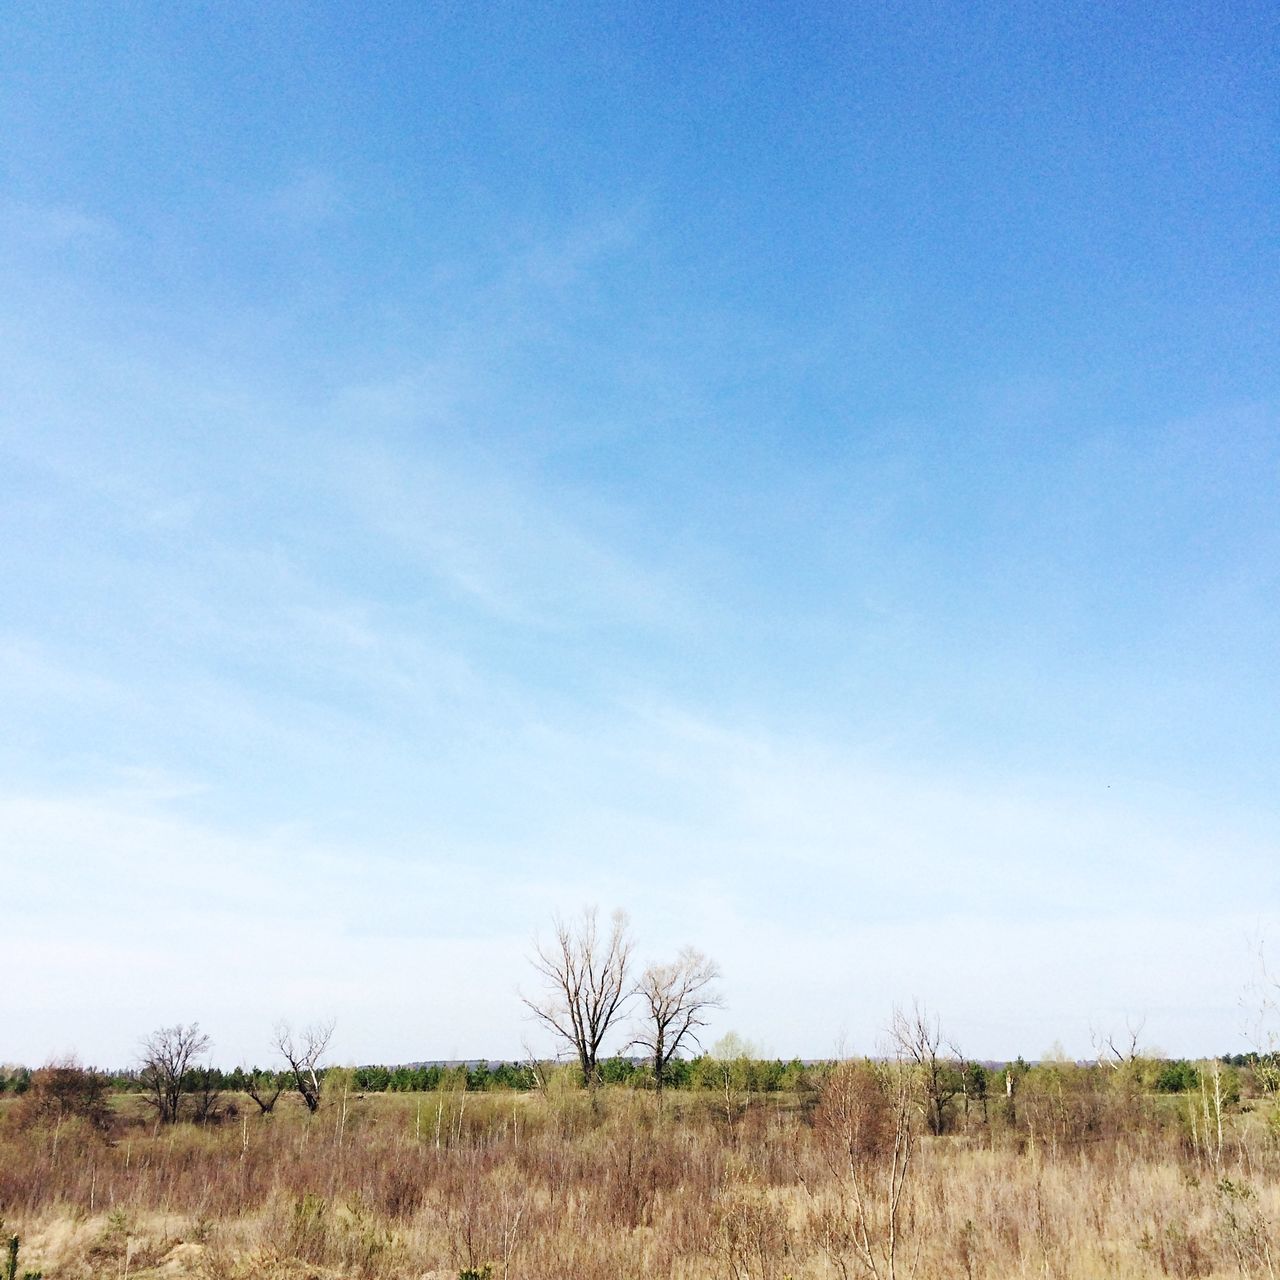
808 475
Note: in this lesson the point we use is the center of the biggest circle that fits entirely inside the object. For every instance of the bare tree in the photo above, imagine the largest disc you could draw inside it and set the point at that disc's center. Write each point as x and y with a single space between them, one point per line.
168 1058
676 998
539 1071
1109 1053
303 1055
917 1038
587 984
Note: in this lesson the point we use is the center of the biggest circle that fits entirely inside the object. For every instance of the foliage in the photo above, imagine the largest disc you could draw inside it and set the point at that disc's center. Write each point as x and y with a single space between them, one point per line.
1177 1077
14 1080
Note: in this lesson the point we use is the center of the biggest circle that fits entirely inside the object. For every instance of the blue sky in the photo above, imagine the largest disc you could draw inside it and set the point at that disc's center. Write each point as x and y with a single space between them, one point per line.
805 475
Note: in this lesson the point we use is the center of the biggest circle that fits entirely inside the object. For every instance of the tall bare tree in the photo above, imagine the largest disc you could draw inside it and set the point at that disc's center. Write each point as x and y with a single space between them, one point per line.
587 984
168 1058
303 1053
676 998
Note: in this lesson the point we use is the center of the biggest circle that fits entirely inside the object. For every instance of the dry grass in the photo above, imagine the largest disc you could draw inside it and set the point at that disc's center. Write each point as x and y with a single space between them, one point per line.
612 1187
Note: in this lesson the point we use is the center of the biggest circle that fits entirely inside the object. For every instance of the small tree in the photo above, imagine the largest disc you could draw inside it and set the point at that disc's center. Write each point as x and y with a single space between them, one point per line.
587 984
303 1055
676 999
206 1094
729 1069
168 1057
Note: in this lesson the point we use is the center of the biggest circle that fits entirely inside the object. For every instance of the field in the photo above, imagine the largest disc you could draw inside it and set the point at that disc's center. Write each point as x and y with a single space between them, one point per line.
1081 1172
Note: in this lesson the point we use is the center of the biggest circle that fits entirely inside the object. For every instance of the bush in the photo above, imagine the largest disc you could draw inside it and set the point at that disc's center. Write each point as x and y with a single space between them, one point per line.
63 1090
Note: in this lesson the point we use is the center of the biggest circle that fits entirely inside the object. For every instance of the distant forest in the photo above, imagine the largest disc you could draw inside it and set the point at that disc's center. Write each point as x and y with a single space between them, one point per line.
749 1074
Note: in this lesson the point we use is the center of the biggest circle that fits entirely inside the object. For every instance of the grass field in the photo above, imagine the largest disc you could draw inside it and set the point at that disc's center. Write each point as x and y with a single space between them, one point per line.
1078 1176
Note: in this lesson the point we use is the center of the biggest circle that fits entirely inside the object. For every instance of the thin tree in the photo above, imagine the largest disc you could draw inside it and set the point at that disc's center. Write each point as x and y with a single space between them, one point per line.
168 1058
587 985
676 998
303 1055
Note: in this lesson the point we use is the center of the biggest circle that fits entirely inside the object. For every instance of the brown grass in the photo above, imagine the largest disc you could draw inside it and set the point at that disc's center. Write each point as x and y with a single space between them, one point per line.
612 1187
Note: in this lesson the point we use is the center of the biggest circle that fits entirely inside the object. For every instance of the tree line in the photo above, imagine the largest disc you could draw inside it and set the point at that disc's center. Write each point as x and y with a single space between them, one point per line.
704 1072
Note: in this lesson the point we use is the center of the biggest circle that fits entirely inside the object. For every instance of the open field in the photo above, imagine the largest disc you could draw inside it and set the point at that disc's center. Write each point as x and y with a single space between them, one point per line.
1079 1174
